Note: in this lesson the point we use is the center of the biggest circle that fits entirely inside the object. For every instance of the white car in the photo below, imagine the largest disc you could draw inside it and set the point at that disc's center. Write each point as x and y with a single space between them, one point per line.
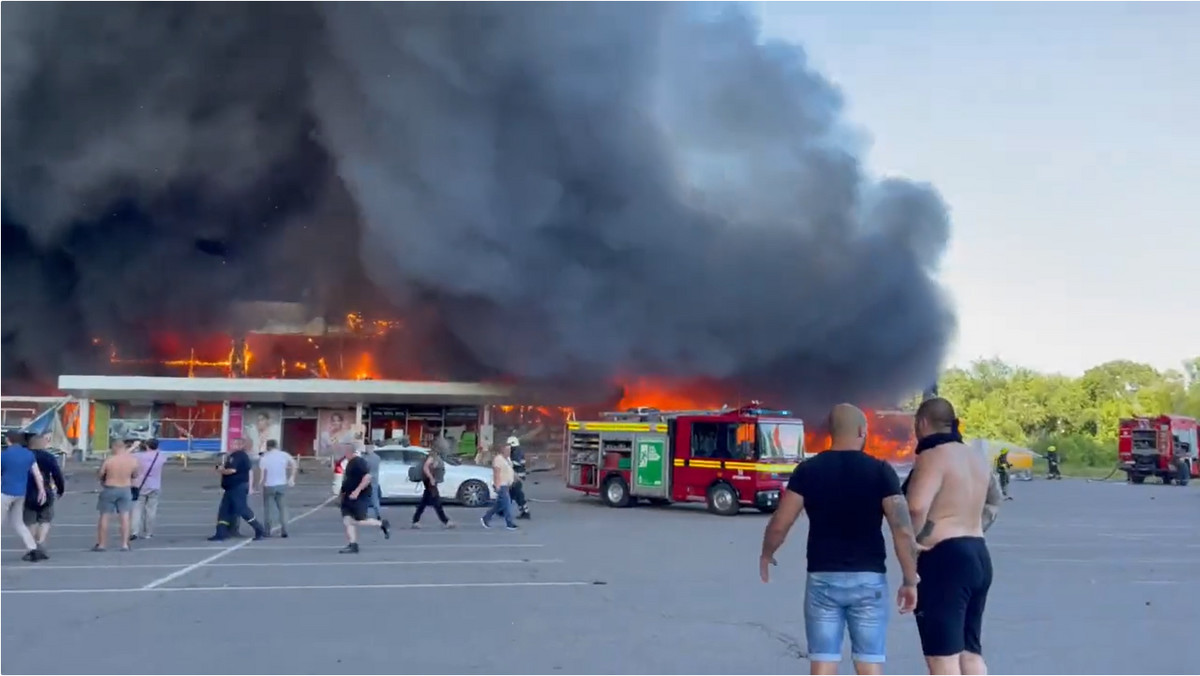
465 484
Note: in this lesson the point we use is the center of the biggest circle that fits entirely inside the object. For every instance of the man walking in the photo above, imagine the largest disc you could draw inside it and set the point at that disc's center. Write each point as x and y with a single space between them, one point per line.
277 472
117 474
433 471
356 497
145 501
372 458
502 480
17 464
518 487
953 499
235 496
39 515
847 494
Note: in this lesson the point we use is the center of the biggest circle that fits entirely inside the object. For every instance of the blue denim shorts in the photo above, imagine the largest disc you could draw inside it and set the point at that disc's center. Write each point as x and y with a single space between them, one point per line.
834 602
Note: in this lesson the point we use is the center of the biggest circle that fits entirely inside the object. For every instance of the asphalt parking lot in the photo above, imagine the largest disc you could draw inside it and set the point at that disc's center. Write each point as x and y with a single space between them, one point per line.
1090 578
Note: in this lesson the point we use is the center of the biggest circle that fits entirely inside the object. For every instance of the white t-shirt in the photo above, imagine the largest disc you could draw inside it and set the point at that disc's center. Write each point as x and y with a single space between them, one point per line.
505 467
274 465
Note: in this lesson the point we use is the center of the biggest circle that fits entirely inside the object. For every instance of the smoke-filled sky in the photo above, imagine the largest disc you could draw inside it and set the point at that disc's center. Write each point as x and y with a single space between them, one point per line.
563 192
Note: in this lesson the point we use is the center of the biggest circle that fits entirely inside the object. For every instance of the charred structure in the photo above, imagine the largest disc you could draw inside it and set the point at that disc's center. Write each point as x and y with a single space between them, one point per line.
563 195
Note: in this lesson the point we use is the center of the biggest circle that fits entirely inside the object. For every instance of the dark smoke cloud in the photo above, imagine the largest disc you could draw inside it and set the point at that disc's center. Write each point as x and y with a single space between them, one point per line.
566 192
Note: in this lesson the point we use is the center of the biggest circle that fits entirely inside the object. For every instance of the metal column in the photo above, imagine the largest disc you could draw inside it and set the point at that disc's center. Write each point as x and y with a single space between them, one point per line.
85 428
225 426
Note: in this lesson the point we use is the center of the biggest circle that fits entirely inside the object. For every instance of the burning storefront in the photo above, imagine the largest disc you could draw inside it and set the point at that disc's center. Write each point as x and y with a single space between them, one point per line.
306 417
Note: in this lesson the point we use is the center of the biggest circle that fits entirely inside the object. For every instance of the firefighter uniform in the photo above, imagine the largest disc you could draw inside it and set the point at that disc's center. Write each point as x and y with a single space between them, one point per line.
1002 467
517 491
1052 461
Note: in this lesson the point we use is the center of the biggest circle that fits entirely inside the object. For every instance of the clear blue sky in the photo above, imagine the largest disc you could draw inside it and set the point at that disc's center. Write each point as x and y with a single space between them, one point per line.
1066 139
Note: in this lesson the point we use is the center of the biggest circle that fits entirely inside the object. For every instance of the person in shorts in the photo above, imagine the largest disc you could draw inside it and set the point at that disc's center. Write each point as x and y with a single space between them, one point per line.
38 516
954 498
847 494
356 499
117 474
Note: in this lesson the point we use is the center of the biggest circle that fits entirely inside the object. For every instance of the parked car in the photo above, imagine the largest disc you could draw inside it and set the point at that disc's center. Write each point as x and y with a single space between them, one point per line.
468 485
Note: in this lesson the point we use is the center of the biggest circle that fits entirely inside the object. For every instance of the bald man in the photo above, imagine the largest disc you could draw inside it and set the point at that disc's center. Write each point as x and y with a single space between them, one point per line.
953 497
847 494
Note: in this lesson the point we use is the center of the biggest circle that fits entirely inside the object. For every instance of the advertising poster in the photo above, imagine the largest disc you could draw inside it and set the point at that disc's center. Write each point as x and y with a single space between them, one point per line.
335 426
259 425
234 430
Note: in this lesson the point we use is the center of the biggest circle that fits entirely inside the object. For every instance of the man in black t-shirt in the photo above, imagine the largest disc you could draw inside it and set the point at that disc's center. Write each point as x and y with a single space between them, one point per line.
847 494
356 498
235 486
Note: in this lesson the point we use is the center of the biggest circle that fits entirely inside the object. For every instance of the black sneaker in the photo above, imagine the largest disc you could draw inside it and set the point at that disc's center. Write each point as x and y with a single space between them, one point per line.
30 556
217 538
386 527
512 527
524 515
351 548
283 534
40 554
98 548
132 538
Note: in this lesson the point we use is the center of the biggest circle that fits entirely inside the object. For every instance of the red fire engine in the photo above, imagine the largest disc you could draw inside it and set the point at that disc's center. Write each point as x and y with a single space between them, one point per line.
728 459
1163 446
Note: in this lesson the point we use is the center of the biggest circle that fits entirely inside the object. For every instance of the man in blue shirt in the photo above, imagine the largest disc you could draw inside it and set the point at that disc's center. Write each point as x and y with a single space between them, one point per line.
17 464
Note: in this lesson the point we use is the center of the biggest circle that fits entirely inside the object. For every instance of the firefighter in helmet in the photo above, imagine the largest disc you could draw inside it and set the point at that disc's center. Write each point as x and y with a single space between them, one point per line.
1052 462
518 488
1002 467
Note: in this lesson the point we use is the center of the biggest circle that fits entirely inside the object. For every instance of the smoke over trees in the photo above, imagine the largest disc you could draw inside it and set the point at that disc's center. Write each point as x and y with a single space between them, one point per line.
564 193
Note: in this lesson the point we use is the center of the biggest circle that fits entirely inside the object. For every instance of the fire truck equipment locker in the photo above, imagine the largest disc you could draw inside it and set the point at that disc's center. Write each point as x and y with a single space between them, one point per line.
651 478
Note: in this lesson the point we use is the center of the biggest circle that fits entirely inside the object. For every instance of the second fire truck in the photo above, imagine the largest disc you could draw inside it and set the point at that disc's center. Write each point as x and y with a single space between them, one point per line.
727 459
1163 446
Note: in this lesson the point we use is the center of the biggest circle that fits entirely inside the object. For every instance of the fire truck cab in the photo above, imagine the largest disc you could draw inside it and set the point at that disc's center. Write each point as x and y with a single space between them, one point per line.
1164 446
728 459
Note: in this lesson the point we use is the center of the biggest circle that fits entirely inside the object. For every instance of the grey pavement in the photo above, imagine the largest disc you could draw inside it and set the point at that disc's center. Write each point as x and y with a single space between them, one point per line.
1090 578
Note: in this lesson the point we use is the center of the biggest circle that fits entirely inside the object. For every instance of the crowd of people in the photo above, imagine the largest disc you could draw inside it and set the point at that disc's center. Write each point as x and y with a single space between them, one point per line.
131 482
937 518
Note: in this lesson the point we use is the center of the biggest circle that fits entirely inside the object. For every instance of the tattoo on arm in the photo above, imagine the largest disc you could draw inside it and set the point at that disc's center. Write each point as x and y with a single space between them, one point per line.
926 531
895 508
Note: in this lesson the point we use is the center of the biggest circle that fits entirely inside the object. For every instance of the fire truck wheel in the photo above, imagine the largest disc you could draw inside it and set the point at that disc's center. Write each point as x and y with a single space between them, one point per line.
1137 478
615 492
723 500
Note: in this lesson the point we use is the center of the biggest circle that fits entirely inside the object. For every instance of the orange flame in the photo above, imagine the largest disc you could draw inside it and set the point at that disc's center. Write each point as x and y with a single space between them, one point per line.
682 396
890 436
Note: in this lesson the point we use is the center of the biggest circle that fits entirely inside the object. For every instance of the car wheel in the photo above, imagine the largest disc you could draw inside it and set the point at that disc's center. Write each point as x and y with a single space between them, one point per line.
723 500
472 493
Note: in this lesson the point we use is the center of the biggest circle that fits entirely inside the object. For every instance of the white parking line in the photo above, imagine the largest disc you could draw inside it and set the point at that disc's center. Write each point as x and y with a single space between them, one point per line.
299 564
271 547
294 587
225 552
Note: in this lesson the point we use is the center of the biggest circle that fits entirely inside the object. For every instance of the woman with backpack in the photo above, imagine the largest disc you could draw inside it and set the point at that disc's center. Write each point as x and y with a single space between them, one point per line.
433 471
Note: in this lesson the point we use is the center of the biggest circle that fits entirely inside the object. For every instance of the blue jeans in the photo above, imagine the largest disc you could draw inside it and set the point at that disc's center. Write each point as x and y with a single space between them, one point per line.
835 601
375 492
503 504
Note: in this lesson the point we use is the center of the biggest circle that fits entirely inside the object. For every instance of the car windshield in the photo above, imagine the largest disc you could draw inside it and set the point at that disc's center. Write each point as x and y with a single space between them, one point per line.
783 440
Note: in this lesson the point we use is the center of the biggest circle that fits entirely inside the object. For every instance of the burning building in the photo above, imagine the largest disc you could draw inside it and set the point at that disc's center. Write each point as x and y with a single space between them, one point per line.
453 192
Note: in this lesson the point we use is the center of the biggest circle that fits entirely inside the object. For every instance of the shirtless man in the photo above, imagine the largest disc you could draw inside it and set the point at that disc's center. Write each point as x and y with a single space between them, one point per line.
953 498
117 474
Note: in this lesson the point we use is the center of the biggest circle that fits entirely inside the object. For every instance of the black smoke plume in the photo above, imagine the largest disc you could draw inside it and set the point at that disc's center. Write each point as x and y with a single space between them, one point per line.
563 192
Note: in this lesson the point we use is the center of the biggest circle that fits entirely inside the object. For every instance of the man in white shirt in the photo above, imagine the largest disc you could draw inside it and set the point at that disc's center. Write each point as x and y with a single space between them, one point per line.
276 472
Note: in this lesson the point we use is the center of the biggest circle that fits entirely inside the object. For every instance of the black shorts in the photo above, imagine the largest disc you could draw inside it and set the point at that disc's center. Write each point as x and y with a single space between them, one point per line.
38 514
356 509
955 577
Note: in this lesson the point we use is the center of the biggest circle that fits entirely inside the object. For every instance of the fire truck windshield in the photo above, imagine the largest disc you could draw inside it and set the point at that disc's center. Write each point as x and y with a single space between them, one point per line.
780 440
